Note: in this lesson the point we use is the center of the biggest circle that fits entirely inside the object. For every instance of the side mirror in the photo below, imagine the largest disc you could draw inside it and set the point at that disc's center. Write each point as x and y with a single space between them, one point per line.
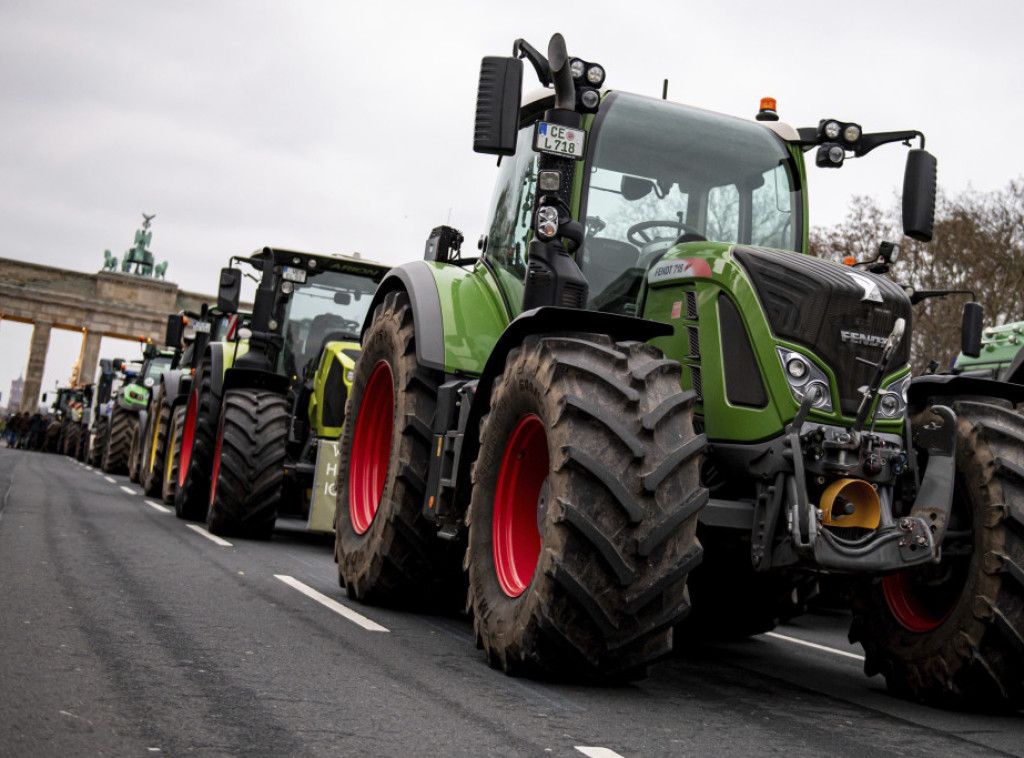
970 329
175 331
230 290
497 105
635 187
919 195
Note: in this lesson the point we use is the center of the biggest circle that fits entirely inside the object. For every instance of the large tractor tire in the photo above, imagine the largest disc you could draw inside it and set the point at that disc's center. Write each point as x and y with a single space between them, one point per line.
135 451
99 441
173 455
83 442
584 509
154 453
72 438
387 552
119 440
248 464
198 440
953 633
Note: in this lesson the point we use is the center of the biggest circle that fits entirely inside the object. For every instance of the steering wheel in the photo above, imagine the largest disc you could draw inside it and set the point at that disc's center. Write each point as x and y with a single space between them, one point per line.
637 234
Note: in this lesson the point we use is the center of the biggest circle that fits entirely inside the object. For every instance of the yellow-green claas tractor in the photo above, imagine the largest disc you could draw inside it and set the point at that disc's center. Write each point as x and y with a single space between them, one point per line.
266 408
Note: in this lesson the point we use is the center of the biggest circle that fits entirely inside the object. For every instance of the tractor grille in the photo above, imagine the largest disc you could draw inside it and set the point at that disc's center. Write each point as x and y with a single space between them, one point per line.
825 307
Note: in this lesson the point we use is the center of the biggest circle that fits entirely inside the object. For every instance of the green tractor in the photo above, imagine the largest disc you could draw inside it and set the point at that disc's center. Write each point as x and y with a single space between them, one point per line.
72 406
162 431
1001 356
644 364
122 450
259 436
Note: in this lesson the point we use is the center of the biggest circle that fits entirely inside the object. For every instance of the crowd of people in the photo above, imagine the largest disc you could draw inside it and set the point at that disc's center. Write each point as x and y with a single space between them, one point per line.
31 431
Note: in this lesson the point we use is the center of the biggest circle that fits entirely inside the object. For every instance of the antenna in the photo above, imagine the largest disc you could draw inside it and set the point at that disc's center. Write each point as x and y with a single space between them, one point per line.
664 90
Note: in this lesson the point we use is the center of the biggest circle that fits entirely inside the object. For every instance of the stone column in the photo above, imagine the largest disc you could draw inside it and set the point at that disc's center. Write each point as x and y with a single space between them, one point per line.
36 364
90 356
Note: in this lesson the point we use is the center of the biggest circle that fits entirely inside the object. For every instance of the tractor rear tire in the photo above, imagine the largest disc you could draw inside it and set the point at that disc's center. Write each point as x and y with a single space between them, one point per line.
198 440
99 441
387 552
173 455
72 439
248 464
584 509
119 440
154 452
953 634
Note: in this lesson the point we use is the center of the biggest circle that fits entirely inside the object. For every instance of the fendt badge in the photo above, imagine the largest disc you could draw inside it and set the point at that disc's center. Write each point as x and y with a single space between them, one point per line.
857 338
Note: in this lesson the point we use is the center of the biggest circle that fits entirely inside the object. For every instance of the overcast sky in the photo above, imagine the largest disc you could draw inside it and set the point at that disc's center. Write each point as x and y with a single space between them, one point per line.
341 126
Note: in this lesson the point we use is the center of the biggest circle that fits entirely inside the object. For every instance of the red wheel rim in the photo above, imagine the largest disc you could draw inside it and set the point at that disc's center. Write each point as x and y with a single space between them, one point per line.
916 611
186 437
216 463
371 447
524 469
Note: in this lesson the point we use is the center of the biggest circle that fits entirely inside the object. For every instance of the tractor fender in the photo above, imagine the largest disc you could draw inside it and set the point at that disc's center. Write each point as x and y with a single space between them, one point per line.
171 381
924 388
222 356
544 320
417 280
256 379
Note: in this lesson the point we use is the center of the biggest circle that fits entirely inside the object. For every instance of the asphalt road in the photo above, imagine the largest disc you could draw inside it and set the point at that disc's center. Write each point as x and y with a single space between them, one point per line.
127 632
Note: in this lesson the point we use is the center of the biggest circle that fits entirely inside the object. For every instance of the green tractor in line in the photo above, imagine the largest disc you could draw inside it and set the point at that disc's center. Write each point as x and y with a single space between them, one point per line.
1001 356
128 408
72 406
644 369
161 437
97 420
259 437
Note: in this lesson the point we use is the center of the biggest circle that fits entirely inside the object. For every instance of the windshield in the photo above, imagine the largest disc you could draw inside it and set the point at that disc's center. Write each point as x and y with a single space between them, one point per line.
157 366
329 306
662 172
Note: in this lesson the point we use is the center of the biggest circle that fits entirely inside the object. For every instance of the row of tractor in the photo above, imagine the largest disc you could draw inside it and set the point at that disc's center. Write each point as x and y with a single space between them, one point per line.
642 415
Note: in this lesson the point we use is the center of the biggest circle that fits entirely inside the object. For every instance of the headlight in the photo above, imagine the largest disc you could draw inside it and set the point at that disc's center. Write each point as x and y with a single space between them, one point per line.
892 400
805 379
149 381
547 222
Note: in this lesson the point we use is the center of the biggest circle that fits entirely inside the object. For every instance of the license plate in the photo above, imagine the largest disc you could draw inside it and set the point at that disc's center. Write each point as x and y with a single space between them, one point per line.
292 274
201 327
556 139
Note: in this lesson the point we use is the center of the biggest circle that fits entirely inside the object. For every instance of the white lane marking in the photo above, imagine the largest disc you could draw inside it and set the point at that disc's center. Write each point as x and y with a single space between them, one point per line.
597 752
334 605
158 506
795 641
129 490
211 537
111 479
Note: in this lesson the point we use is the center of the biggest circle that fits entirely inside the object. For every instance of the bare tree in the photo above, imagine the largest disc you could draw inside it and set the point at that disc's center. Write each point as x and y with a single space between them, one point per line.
978 245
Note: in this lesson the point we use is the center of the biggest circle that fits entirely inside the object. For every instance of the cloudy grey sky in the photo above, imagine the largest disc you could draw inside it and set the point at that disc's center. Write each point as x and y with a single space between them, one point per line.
337 126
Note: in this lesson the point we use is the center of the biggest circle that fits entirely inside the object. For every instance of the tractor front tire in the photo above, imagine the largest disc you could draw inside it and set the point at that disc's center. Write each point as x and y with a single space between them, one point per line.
198 440
173 455
387 552
248 464
154 453
953 634
584 509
